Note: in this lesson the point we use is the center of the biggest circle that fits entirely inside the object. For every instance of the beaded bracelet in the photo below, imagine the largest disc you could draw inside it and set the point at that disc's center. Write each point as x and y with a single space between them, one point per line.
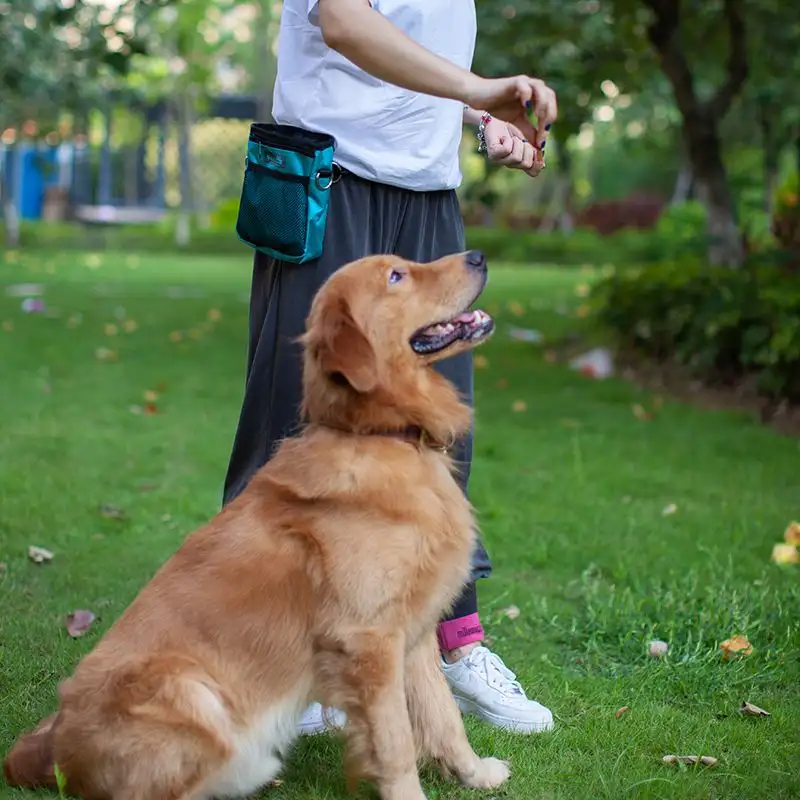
486 118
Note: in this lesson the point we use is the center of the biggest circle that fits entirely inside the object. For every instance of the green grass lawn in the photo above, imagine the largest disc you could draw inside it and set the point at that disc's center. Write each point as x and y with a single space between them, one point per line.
570 490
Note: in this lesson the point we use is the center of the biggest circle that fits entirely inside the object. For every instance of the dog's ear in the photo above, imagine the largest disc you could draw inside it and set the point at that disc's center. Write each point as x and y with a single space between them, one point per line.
344 353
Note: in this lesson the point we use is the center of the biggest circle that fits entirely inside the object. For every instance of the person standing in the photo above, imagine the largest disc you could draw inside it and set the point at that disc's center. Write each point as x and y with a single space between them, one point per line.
391 81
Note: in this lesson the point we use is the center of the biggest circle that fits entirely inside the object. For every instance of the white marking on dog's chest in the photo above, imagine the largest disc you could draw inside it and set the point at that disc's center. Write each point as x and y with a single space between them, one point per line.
258 751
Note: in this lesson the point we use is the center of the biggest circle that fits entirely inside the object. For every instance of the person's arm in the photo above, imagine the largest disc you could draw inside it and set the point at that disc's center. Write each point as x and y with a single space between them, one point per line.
365 37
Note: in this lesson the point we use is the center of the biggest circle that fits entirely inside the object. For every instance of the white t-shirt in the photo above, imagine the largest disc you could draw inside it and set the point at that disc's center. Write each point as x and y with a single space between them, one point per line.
383 133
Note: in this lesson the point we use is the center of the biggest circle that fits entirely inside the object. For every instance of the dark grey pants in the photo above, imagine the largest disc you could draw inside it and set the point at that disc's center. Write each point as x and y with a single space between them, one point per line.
364 218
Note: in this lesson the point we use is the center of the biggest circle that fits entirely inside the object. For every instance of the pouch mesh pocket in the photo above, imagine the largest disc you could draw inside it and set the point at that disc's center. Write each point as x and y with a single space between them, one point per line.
274 210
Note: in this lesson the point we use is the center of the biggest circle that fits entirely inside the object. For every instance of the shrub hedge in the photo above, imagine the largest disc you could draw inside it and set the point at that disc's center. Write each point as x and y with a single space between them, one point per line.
500 245
723 324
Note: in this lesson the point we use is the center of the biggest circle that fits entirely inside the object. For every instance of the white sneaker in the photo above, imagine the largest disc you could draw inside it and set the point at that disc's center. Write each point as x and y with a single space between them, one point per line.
483 685
317 719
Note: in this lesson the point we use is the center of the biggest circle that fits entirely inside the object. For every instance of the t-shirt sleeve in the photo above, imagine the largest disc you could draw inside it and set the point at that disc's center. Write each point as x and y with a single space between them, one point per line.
313 10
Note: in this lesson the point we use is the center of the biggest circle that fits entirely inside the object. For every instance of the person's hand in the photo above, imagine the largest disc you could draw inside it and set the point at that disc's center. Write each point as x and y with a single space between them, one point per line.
510 99
506 145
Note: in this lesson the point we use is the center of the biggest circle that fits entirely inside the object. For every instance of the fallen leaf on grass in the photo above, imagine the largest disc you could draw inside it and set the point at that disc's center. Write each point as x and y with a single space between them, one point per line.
519 405
130 325
78 622
792 533
785 554
502 384
175 336
32 305
110 329
150 395
690 761
657 649
74 320
670 509
621 711
8 325
526 335
550 356
39 554
582 289
512 612
641 413
516 308
104 354
582 311
150 408
571 423
752 711
111 512
214 314
480 361
736 645
24 290
195 333
93 261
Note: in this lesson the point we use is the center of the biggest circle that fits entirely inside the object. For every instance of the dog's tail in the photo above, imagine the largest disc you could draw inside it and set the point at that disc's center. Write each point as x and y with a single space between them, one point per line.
31 762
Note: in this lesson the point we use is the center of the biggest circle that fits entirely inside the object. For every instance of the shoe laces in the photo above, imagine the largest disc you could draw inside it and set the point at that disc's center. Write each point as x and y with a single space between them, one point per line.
496 673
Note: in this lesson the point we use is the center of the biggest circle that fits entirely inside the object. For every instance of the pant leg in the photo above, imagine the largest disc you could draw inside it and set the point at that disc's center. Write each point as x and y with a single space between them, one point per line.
432 228
363 219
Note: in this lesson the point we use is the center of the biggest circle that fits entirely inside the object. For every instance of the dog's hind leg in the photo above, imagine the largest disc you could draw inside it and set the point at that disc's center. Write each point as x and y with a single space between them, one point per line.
159 731
362 674
437 724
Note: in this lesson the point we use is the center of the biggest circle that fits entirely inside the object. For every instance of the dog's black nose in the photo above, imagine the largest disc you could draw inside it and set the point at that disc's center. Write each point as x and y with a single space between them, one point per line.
476 259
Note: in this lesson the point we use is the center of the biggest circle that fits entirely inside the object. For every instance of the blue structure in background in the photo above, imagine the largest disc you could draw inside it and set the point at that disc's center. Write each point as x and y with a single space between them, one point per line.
36 169
88 174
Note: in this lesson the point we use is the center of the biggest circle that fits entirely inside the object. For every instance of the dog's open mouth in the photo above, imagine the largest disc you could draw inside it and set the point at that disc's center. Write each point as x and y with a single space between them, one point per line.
468 327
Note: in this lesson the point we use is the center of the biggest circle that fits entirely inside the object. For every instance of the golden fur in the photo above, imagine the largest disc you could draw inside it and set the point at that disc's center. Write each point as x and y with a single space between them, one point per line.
323 580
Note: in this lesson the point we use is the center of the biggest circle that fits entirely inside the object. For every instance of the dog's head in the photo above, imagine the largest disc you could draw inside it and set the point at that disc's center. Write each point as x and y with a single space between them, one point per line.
375 329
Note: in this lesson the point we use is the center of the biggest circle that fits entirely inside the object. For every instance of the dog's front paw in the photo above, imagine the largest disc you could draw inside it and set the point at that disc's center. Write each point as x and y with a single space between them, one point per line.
490 772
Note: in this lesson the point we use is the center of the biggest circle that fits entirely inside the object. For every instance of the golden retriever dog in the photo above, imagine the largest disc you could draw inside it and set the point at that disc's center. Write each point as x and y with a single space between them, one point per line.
324 580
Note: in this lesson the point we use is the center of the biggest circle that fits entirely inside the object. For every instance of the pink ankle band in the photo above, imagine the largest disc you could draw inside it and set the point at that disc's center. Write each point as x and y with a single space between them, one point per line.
458 632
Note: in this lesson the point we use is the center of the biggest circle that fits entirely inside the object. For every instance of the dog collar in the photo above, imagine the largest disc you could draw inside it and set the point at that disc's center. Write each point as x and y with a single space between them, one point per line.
412 434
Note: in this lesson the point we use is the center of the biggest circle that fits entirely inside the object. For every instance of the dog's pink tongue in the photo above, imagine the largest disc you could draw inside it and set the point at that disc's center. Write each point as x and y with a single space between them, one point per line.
467 317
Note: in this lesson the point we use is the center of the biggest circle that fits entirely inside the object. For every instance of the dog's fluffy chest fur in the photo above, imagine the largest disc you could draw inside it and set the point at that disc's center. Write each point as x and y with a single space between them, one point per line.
394 520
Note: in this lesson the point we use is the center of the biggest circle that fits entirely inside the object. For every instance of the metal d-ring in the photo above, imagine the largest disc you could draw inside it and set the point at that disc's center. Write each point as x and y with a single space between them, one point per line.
325 178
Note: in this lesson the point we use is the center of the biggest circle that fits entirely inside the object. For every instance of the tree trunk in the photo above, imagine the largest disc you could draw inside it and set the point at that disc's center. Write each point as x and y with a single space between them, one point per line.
725 247
559 213
682 190
11 218
183 230
701 120
10 214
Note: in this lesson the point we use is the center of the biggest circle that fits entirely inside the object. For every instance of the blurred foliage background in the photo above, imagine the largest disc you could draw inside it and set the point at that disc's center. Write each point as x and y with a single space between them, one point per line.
124 125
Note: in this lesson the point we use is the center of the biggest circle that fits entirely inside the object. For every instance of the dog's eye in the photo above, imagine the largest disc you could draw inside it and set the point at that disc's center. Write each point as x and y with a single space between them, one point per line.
395 277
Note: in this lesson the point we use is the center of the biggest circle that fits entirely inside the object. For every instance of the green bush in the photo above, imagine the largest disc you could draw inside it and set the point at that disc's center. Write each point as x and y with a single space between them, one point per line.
723 324
684 222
